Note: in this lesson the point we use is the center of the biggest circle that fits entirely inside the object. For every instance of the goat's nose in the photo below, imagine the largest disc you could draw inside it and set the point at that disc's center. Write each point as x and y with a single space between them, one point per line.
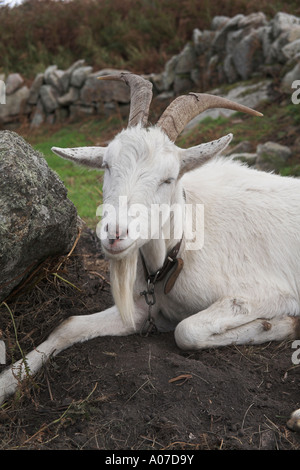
116 234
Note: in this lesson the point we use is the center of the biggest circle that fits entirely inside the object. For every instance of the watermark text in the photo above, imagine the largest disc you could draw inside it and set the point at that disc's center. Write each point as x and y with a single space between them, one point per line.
2 92
296 354
2 352
159 221
296 93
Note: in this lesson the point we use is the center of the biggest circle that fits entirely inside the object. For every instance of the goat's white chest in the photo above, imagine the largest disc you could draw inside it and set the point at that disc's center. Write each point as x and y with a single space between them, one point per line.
180 303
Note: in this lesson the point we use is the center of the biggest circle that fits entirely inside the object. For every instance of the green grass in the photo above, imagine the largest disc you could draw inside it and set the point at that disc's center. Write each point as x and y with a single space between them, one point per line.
274 125
279 124
84 185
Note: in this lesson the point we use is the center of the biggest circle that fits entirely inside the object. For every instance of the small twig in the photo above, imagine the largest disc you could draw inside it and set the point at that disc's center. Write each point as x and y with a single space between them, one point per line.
199 377
240 352
149 360
66 281
100 275
153 441
183 377
148 380
71 251
90 394
182 443
243 422
273 424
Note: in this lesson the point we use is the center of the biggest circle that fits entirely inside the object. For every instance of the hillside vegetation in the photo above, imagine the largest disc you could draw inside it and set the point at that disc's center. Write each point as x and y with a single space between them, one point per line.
136 34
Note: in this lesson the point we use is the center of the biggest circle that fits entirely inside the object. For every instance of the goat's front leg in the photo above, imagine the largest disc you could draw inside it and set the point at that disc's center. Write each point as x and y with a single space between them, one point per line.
73 330
239 321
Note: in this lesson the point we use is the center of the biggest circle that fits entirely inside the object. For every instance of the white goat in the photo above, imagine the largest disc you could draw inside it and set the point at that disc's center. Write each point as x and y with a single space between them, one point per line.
241 287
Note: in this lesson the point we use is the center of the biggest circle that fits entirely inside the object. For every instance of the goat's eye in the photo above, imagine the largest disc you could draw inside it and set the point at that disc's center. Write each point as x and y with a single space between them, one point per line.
168 181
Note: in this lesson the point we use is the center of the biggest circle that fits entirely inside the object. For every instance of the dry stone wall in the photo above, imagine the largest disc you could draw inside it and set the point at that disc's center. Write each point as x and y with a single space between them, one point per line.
233 49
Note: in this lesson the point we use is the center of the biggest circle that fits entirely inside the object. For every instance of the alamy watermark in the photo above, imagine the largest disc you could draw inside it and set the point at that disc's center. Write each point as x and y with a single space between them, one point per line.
2 352
296 354
158 221
296 93
2 92
296 344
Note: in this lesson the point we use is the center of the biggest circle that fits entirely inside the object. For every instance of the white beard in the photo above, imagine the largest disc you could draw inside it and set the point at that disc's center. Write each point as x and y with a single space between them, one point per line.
122 276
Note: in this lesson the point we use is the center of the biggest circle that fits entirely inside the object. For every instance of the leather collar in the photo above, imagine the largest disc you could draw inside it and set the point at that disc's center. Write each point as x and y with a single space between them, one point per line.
170 269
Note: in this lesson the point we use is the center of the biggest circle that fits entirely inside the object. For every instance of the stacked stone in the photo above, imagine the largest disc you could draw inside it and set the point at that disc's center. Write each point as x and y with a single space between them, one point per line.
234 49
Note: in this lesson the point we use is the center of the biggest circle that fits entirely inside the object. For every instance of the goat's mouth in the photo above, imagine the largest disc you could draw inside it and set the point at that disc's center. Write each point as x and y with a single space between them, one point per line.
118 250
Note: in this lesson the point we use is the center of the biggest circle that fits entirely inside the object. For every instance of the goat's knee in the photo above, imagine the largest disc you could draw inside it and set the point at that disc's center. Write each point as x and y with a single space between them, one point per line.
208 328
185 336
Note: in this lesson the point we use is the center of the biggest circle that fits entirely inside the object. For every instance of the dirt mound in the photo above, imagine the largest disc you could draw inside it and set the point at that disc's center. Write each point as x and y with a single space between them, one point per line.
135 393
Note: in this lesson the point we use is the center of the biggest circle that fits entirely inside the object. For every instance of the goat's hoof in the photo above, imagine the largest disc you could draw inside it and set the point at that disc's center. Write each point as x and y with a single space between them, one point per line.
294 421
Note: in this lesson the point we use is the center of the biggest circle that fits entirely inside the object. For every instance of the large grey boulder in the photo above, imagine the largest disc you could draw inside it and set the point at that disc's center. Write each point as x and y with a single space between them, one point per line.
37 220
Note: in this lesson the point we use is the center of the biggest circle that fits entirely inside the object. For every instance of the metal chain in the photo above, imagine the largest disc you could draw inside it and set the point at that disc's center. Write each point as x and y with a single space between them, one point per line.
149 326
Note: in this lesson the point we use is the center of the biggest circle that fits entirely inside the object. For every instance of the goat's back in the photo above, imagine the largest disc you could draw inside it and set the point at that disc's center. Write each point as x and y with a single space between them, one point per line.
251 224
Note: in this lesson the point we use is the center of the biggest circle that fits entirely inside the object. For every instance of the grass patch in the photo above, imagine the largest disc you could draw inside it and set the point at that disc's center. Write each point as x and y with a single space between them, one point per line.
84 185
277 124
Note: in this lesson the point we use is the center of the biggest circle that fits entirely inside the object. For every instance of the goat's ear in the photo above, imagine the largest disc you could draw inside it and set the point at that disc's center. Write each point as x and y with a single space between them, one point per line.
87 156
194 157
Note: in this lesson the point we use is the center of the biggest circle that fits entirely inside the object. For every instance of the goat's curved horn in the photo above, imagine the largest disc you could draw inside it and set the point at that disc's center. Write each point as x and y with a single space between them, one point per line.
184 108
140 96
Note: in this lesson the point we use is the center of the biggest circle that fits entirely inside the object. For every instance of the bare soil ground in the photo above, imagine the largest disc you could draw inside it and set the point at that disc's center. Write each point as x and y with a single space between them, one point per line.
136 393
